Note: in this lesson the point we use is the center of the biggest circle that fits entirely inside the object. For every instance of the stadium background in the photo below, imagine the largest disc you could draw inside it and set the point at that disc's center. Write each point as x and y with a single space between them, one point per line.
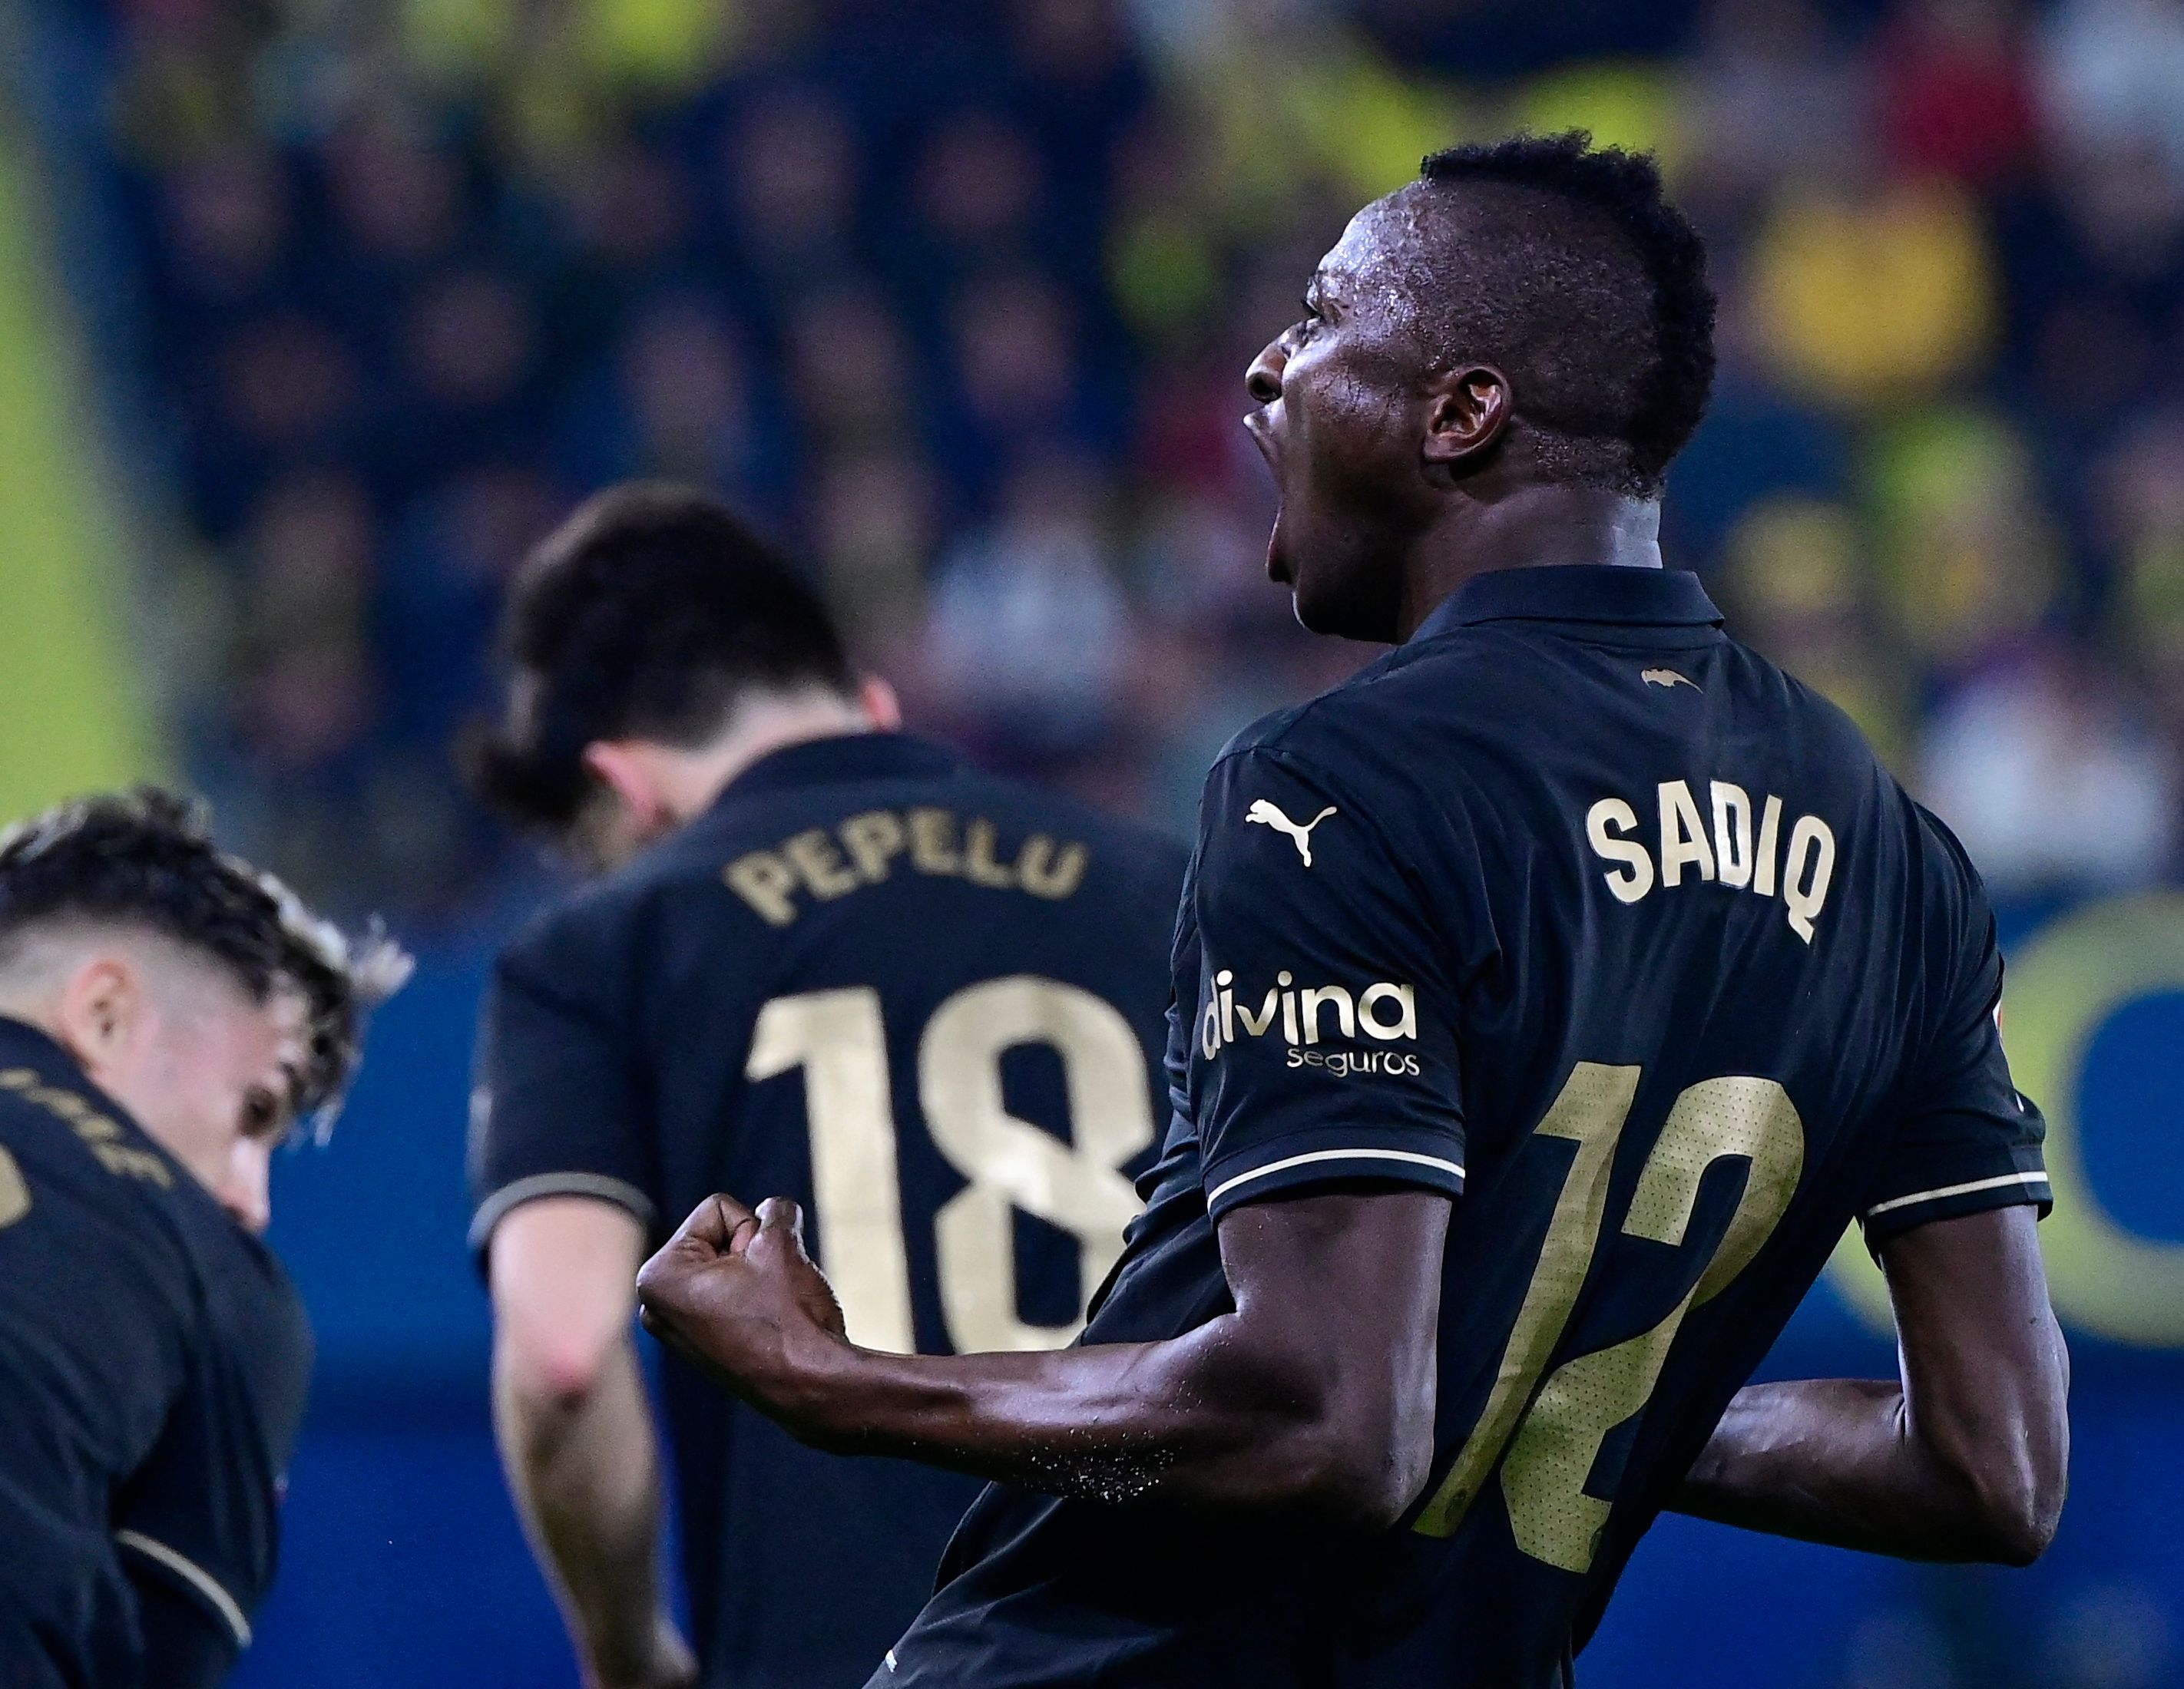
312 314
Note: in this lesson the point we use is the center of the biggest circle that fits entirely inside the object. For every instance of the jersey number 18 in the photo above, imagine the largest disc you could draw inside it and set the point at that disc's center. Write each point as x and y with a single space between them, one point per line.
839 1039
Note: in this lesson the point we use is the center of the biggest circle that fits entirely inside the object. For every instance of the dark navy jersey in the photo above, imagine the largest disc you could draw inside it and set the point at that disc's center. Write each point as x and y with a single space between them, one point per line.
927 1003
1583 914
154 1361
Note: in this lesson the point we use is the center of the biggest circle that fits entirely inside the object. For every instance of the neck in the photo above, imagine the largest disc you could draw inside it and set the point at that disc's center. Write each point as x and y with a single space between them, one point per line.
1527 527
692 779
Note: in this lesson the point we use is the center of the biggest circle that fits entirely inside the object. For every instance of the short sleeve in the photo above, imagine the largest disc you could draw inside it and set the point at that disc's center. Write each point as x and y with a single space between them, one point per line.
1323 1045
200 1519
1966 1139
559 1108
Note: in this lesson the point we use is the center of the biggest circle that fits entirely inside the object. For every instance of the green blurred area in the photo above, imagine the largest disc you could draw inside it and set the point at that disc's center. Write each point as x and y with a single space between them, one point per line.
73 711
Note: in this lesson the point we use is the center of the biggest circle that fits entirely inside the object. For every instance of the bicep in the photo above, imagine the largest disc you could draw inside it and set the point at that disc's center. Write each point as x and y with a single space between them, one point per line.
563 1271
561 1107
1980 1352
1343 1289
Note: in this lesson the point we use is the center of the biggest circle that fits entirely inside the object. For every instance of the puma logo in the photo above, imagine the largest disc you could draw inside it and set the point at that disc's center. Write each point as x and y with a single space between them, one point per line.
1266 816
1668 678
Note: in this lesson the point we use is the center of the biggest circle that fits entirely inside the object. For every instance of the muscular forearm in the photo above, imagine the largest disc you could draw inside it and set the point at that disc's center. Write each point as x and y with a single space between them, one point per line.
1838 1461
1316 1393
584 1469
1208 1417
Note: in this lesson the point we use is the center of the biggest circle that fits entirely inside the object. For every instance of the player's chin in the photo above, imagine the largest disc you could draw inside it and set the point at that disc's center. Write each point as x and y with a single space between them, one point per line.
1328 604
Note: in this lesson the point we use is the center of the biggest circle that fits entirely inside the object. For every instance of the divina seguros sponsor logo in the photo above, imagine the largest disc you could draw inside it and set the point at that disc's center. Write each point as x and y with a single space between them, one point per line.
1385 1011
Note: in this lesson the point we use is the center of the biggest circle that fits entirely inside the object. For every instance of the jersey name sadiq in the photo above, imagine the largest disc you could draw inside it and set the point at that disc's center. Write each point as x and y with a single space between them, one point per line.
1798 872
832 862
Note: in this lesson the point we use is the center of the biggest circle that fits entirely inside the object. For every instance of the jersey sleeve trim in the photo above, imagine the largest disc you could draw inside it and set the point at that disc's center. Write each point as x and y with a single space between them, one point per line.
200 1582
1900 1214
1962 1190
1328 1166
622 1194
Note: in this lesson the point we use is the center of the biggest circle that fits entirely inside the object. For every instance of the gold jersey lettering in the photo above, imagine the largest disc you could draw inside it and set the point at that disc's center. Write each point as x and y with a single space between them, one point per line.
932 842
767 883
873 840
819 864
1047 872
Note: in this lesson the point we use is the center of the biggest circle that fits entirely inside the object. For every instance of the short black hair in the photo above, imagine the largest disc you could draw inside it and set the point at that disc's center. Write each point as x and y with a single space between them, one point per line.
146 858
647 615
1578 278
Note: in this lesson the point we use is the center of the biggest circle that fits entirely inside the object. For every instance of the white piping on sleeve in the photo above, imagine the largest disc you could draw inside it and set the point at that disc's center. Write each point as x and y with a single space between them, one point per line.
1288 1161
193 1574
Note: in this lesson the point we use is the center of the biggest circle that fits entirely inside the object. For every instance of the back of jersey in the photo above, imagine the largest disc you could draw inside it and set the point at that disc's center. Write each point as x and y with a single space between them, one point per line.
927 1004
1623 938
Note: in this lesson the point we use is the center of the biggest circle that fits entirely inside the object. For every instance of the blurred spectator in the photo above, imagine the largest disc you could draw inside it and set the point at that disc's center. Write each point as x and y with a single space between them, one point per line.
1771 100
2052 783
1956 90
876 523
1866 290
311 697
1029 634
1794 575
790 165
675 402
1970 559
2111 70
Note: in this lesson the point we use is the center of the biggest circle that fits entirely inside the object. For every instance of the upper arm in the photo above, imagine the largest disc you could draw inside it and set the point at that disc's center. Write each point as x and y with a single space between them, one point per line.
563 1272
1986 1373
1338 1306
1971 1295
562 1105
1323 1039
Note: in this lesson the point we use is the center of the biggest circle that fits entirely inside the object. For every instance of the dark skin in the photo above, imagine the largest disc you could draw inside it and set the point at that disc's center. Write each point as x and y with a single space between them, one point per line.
1965 1459
1403 472
1296 1402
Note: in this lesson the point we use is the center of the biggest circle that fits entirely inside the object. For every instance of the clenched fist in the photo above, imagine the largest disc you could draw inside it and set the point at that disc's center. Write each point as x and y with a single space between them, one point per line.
735 1291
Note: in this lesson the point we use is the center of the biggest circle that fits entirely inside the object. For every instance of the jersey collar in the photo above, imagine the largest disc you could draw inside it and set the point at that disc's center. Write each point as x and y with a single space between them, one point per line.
1577 592
848 756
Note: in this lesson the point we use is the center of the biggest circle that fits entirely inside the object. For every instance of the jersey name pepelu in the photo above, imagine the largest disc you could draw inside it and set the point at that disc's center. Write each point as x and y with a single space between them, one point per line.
1727 852
827 863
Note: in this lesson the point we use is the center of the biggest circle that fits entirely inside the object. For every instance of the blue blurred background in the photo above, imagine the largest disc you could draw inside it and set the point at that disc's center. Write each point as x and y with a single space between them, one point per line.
313 315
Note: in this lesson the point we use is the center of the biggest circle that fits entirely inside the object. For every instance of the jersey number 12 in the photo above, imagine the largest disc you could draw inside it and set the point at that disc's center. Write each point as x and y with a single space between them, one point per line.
839 1039
1552 1427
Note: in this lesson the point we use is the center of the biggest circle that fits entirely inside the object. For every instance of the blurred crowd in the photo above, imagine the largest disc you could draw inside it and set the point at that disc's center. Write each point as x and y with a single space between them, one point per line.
957 297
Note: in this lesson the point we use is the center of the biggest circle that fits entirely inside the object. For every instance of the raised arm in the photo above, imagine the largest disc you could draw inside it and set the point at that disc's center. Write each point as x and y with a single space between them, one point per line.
1965 1459
1317 1393
576 1432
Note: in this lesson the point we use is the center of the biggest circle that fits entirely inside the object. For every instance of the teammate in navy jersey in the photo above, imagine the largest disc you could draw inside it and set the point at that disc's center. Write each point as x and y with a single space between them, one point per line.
166 1015
1551 997
928 1003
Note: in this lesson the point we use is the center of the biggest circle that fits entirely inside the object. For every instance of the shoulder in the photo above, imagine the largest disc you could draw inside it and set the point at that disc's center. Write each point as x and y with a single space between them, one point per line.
254 1317
1955 900
1135 851
1396 743
598 927
90 1143
1113 861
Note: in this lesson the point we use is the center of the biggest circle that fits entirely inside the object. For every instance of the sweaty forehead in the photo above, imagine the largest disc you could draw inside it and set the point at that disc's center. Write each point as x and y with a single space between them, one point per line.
1371 273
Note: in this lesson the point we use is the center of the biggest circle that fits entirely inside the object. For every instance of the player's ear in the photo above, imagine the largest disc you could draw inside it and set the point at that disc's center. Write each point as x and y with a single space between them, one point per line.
625 770
103 1011
1467 409
882 707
